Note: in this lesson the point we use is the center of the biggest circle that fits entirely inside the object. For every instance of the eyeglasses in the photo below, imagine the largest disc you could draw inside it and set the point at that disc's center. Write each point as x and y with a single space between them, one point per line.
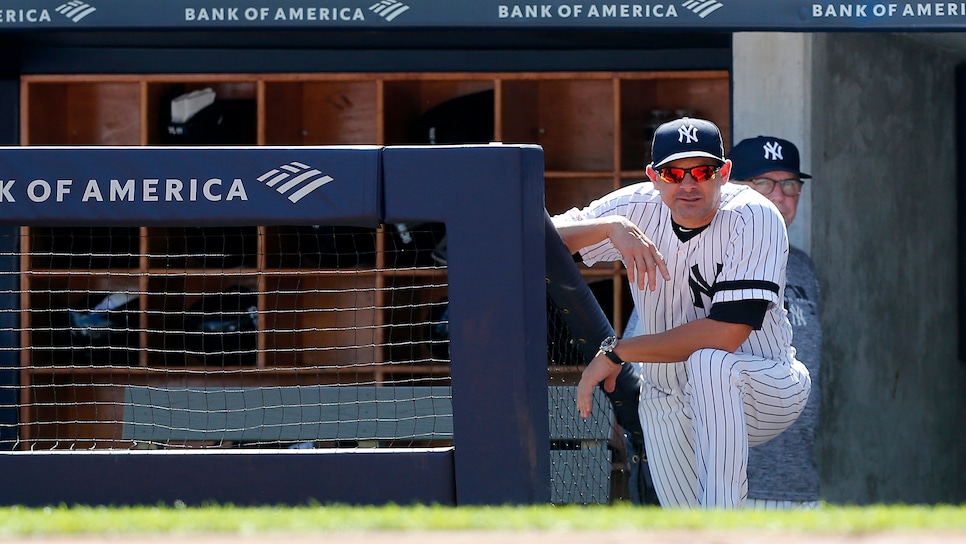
699 173
790 186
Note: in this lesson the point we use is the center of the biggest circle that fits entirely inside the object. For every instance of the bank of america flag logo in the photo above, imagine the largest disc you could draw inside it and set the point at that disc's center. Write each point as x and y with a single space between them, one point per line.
75 10
388 9
296 180
703 8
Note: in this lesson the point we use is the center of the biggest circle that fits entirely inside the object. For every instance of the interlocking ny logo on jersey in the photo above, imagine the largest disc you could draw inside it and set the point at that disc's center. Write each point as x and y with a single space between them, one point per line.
700 286
688 134
75 10
388 9
299 178
773 151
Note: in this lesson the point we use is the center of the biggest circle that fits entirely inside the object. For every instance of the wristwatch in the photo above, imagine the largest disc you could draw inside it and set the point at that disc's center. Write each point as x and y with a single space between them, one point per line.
607 347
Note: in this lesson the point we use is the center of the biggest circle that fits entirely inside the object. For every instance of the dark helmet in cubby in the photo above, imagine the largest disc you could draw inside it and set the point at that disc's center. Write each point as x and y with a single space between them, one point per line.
104 329
221 328
465 119
222 122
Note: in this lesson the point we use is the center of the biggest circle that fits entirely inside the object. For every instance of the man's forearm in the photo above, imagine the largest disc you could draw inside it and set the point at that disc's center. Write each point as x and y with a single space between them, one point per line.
580 234
677 344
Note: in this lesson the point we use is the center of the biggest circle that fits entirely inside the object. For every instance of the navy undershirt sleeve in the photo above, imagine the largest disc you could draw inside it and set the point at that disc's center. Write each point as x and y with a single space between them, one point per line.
742 312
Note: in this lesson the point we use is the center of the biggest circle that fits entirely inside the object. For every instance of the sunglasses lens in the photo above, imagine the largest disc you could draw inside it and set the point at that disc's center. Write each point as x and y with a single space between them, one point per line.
702 173
672 175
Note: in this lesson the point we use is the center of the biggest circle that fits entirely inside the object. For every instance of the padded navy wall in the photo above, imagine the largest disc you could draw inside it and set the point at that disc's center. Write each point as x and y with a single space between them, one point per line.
239 477
491 198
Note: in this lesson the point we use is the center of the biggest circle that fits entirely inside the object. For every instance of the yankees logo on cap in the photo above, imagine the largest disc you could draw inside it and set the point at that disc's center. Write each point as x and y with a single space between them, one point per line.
756 156
684 138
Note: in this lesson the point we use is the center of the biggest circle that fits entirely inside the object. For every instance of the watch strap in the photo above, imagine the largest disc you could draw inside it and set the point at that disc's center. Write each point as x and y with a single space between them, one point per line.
614 358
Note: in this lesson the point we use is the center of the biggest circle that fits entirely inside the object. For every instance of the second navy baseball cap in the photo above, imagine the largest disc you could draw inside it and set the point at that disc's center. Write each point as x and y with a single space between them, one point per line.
685 138
755 156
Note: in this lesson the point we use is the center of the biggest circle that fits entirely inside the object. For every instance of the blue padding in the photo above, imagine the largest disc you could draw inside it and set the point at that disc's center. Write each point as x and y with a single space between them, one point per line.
228 477
491 199
145 186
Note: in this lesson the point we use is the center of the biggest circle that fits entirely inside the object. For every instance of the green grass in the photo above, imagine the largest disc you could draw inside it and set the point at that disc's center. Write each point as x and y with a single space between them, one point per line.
64 520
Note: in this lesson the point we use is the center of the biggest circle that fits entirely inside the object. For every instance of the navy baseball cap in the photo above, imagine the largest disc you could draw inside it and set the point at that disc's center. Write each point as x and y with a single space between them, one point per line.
755 156
685 138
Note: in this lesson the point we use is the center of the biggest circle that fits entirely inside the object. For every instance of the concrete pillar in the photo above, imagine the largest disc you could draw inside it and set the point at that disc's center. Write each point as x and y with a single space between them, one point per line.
772 75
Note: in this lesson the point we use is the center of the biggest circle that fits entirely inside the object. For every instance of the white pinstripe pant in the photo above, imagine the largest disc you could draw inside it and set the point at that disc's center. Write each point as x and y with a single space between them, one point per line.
700 416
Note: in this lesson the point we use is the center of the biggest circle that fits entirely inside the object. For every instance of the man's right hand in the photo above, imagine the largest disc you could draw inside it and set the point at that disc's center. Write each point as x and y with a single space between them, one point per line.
641 256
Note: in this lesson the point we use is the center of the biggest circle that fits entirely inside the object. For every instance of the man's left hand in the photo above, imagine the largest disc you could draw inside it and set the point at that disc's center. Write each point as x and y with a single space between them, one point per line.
600 369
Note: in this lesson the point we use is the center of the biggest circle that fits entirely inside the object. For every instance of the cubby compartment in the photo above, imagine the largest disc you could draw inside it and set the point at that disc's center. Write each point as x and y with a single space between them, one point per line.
83 112
203 320
440 111
321 320
231 119
647 102
340 111
572 118
84 320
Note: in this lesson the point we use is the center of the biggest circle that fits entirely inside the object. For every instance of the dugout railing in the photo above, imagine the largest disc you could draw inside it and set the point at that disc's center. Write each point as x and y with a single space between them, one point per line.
491 199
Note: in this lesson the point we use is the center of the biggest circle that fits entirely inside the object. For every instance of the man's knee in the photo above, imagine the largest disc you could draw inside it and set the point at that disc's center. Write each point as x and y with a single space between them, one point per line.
708 368
707 356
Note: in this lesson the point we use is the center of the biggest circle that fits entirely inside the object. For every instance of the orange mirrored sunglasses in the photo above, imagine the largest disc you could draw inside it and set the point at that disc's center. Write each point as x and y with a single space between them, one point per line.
699 173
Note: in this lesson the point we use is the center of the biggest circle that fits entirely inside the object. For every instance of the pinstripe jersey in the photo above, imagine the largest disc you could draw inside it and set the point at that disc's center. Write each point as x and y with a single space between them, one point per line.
741 255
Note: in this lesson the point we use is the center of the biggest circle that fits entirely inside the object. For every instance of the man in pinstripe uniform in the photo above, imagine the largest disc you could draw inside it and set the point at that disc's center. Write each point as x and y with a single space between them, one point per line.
718 370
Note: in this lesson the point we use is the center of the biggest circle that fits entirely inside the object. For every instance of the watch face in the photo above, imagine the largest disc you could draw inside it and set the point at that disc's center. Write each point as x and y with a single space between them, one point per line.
609 343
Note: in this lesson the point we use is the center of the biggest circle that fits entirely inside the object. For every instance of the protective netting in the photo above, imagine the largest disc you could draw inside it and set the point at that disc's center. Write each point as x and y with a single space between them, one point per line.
228 337
250 337
580 449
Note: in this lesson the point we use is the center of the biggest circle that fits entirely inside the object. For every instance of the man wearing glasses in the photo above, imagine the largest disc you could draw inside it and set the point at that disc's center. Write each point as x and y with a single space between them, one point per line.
782 473
718 373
